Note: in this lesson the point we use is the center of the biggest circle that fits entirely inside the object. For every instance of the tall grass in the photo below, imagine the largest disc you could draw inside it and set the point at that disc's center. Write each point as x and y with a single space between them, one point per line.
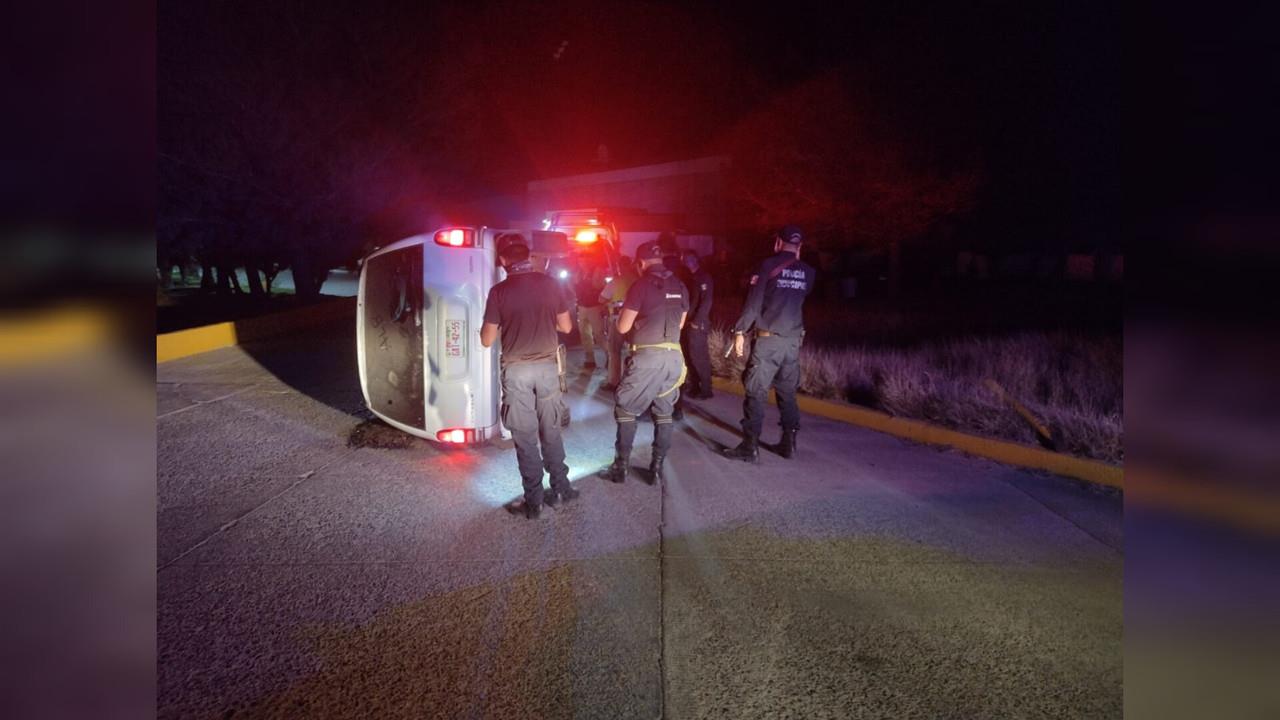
1071 380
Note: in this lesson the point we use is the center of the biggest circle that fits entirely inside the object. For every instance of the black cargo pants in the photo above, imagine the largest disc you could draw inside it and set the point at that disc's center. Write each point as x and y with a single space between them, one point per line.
650 380
698 357
531 410
775 361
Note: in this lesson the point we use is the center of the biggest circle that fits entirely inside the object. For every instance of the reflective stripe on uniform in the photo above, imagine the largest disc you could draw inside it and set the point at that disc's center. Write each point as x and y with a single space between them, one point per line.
684 372
661 346
684 369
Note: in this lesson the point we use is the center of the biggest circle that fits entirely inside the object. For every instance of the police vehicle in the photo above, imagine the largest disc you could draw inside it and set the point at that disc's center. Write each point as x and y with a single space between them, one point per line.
620 231
593 239
419 309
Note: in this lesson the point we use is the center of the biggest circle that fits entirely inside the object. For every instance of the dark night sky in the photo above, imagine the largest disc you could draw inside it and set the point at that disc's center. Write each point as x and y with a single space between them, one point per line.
476 95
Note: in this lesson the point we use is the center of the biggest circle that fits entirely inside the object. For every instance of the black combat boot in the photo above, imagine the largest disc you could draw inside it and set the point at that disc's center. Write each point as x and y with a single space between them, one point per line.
747 450
553 497
617 472
521 506
656 467
787 445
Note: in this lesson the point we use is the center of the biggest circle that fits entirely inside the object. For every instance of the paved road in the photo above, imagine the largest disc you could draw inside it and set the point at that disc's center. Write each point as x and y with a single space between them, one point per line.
304 575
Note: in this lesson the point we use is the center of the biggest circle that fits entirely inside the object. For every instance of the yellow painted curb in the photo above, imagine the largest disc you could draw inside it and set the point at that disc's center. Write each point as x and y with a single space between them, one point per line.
37 336
174 345
1206 497
1000 450
183 343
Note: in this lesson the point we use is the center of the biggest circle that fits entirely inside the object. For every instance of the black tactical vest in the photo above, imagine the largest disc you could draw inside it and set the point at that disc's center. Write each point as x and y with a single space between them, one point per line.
672 291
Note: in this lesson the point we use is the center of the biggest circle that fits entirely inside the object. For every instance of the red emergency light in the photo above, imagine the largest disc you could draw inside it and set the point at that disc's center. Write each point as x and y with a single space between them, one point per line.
586 236
456 237
456 435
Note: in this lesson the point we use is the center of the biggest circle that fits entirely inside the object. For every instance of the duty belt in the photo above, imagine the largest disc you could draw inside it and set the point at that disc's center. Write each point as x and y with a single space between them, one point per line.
667 346
661 346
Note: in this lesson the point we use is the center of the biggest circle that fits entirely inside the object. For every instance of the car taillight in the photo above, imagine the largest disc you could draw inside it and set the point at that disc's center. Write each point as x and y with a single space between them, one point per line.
456 435
456 237
586 236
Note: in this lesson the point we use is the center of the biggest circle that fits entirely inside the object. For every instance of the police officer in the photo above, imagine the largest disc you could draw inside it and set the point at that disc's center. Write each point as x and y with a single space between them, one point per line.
697 355
613 295
588 283
774 303
671 260
670 252
654 311
528 308
562 354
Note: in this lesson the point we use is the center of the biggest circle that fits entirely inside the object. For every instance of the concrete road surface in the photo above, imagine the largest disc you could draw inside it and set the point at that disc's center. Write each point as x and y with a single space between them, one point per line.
308 570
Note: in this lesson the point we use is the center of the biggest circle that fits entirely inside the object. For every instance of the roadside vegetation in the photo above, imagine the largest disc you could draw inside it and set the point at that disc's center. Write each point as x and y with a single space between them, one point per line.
182 303
902 363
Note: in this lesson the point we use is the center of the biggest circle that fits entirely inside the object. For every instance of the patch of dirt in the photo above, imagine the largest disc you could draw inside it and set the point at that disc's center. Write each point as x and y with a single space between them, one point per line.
377 434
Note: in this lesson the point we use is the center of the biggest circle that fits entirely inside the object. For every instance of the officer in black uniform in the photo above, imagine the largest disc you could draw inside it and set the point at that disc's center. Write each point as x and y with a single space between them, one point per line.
774 304
670 252
654 311
528 308
696 353
562 359
671 260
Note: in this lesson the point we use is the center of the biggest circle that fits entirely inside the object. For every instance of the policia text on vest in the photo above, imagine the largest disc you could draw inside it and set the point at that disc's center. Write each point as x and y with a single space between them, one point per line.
774 315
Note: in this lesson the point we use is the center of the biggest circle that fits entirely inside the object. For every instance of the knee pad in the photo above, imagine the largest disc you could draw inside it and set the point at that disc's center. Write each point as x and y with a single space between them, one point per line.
622 415
662 420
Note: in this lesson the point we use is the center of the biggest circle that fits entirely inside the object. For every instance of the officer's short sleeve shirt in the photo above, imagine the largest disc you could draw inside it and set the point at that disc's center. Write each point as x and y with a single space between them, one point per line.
524 307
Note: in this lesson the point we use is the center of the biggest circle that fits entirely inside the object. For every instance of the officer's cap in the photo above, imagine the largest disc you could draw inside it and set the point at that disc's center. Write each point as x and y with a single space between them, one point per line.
651 250
507 240
791 234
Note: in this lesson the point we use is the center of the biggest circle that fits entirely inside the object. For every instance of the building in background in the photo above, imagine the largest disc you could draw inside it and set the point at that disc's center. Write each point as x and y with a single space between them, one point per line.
686 197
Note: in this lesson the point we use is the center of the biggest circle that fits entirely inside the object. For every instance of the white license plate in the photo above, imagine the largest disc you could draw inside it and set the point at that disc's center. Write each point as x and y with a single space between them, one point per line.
454 337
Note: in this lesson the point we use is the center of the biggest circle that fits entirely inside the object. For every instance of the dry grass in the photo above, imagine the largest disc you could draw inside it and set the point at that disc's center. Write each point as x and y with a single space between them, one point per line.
1071 380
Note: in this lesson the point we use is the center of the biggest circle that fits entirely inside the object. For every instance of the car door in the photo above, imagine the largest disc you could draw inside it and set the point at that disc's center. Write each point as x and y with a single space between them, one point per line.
390 335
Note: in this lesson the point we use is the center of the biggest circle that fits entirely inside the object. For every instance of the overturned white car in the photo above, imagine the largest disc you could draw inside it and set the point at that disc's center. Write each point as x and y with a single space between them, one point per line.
419 311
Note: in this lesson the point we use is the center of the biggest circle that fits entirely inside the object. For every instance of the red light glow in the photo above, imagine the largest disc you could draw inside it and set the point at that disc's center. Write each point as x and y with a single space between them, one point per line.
455 237
586 236
455 435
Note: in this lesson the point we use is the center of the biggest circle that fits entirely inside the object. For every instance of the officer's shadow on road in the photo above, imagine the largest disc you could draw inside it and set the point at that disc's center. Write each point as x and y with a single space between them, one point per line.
711 444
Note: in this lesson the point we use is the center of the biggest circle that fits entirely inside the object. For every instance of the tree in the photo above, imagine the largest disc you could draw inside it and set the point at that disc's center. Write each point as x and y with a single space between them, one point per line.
283 132
815 157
